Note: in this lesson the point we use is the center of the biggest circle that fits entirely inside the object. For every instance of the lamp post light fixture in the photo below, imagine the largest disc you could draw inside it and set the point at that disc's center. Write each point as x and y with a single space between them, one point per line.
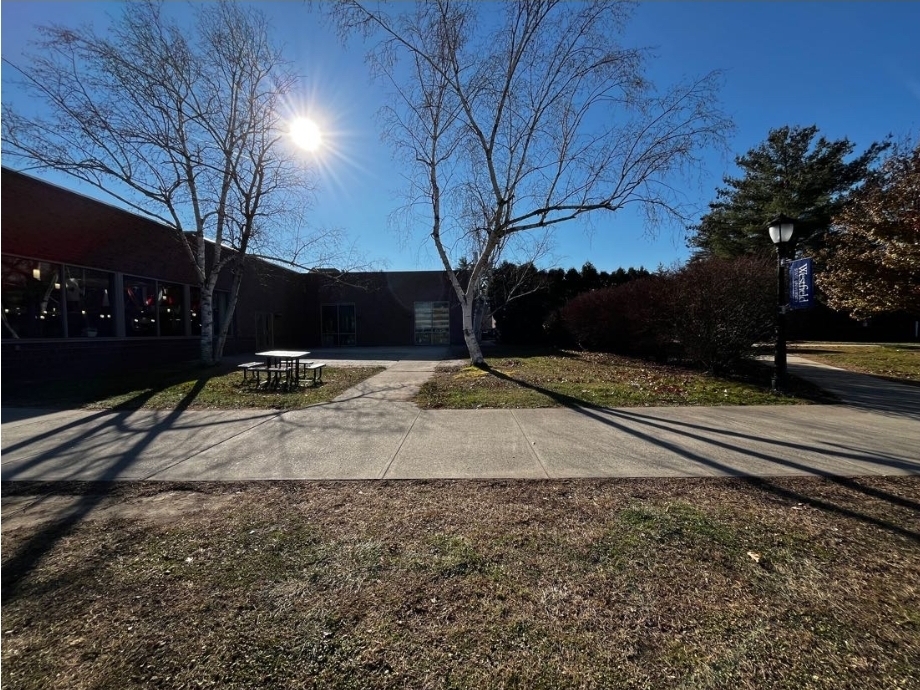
781 233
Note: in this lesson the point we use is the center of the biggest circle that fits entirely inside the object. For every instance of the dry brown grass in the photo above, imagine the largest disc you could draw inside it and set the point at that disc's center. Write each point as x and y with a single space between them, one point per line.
521 380
185 386
695 583
896 362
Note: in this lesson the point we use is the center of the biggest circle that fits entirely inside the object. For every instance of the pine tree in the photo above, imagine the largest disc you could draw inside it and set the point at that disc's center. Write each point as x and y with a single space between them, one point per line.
791 172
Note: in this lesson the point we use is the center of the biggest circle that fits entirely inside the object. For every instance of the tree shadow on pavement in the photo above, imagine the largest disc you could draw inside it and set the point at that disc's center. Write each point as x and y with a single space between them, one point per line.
27 556
611 417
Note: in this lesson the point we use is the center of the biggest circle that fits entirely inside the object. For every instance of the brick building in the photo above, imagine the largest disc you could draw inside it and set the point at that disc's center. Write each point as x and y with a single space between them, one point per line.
88 287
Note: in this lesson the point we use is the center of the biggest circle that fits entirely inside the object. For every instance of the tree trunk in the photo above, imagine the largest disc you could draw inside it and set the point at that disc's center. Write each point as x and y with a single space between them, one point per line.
478 309
469 334
228 317
207 325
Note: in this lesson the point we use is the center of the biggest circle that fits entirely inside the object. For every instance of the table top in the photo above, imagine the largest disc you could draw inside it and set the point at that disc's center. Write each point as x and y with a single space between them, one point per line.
282 354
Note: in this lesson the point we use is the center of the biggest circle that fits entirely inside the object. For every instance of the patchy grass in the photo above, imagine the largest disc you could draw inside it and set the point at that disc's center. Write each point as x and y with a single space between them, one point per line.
691 583
597 379
184 387
897 362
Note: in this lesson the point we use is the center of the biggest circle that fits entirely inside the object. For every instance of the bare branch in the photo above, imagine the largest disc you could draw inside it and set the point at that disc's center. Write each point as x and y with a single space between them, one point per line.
524 116
179 125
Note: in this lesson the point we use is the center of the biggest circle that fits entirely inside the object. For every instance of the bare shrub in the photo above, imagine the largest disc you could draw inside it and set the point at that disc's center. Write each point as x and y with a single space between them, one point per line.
709 313
626 319
720 308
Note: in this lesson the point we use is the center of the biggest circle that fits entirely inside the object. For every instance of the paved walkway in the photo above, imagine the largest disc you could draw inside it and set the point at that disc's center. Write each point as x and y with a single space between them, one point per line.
373 432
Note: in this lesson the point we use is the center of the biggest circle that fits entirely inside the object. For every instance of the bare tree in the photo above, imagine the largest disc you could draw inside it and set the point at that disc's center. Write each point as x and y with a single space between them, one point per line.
872 258
520 116
183 126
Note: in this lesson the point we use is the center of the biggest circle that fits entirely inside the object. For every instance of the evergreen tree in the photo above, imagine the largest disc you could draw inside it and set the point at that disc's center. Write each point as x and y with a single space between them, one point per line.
795 172
590 278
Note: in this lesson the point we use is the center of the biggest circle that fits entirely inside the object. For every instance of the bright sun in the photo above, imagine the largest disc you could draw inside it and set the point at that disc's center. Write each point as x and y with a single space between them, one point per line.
306 134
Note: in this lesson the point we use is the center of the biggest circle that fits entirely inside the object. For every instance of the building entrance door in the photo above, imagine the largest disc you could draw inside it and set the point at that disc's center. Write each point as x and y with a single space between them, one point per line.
339 325
265 331
432 323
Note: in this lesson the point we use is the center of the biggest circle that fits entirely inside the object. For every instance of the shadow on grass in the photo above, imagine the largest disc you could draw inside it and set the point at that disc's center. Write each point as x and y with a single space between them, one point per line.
139 386
30 553
750 372
709 435
504 351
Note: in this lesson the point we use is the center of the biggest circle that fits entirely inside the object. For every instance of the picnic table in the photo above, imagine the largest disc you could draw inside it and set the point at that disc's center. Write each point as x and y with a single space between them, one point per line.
280 363
286 363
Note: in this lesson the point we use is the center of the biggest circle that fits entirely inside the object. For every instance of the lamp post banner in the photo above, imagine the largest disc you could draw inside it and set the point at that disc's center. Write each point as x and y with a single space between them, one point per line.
801 284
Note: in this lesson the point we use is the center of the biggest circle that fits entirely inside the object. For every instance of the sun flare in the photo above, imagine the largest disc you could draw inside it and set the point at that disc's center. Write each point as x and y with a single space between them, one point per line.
305 133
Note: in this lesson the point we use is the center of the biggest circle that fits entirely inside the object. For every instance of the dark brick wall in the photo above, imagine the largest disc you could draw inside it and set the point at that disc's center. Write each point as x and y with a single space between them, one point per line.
272 290
384 304
25 361
48 223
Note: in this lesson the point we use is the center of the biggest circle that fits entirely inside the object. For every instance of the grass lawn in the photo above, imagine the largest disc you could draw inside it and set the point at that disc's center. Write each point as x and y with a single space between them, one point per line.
665 583
185 387
604 380
898 362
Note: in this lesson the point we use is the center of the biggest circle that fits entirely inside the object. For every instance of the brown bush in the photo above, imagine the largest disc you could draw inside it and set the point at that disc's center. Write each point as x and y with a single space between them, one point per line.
709 313
721 308
626 319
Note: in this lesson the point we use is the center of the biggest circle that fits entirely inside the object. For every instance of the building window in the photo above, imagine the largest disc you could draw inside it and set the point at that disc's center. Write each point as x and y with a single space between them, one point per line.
140 307
171 309
432 323
46 300
32 306
195 310
88 295
339 325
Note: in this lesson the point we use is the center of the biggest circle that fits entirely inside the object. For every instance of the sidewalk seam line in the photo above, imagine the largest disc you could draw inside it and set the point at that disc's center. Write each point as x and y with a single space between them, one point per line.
386 469
150 476
530 444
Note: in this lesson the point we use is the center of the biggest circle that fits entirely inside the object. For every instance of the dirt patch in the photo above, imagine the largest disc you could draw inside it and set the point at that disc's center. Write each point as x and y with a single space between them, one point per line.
162 508
698 583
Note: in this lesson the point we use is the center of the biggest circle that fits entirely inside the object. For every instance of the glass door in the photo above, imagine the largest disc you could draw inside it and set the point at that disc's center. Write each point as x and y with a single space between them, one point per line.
265 331
338 325
432 323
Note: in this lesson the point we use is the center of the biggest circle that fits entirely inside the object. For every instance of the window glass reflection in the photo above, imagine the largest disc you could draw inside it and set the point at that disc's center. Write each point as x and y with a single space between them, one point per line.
195 310
338 325
140 307
171 302
31 299
88 295
432 323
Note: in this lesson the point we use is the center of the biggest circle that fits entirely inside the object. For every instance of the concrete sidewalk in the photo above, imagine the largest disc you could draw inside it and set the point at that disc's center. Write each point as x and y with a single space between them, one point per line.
861 391
371 432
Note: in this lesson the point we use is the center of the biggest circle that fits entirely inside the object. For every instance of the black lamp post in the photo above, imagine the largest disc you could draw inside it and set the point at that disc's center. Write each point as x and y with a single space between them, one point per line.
780 232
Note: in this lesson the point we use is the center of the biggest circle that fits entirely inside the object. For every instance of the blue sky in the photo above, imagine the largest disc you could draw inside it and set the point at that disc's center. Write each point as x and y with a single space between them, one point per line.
851 68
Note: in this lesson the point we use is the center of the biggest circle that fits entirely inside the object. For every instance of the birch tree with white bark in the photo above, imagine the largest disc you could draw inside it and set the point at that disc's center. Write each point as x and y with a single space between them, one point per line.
515 118
182 124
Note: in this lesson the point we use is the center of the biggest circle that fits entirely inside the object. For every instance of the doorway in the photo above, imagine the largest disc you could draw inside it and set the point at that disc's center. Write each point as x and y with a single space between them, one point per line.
265 331
432 323
338 325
